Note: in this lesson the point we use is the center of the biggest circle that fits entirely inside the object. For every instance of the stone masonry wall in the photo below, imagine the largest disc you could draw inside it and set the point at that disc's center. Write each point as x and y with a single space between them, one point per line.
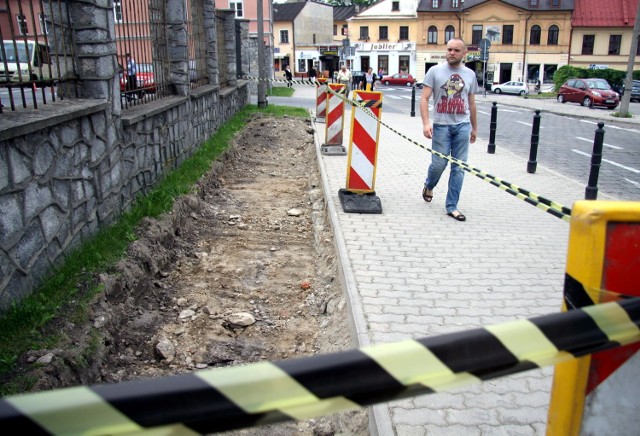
73 167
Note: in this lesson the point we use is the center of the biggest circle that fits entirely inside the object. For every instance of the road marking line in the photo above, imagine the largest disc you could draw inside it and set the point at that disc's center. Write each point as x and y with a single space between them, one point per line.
485 113
606 145
633 170
636 184
588 122
528 124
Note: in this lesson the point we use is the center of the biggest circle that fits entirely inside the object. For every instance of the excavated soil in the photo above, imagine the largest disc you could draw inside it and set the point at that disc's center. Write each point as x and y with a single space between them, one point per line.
242 270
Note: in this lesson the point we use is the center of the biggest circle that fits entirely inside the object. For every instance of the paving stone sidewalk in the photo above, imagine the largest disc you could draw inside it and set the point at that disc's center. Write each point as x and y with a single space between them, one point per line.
412 271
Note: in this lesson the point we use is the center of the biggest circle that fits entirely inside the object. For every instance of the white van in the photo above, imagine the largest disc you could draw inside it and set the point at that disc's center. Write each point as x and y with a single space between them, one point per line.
25 61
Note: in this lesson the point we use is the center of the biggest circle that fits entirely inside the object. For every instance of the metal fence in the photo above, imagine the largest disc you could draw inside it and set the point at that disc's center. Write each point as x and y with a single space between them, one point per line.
36 55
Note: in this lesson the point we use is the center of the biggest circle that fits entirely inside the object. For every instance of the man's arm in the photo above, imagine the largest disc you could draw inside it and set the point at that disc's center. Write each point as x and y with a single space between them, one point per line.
427 129
473 118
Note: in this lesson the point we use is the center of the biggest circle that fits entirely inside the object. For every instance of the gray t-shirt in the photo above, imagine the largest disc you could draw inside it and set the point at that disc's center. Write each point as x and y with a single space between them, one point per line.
451 88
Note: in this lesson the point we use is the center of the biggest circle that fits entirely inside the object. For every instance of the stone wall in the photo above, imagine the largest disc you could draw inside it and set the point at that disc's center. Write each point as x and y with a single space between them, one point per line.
73 167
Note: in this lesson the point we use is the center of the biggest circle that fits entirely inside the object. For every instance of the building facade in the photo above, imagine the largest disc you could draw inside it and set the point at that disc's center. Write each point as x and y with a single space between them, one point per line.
602 37
384 37
304 37
528 39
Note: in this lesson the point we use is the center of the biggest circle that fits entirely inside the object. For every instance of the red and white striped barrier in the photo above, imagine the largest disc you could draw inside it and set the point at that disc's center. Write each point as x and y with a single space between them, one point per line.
334 122
359 196
321 99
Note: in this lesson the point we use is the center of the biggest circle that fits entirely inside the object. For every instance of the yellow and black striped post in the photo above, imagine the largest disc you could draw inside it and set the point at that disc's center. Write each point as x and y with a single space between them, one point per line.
603 264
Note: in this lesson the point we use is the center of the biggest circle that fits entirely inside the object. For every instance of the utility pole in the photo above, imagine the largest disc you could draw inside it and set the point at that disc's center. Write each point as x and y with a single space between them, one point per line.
262 74
628 83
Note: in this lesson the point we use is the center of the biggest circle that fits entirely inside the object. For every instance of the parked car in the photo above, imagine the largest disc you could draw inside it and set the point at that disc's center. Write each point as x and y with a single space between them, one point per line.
589 92
399 79
357 77
635 91
512 87
144 77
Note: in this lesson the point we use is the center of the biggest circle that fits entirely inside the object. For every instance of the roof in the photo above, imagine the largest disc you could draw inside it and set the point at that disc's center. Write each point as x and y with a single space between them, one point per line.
287 11
543 5
593 13
342 13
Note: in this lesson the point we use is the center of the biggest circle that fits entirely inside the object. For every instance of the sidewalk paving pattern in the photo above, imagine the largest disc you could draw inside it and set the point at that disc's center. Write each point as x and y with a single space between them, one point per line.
412 271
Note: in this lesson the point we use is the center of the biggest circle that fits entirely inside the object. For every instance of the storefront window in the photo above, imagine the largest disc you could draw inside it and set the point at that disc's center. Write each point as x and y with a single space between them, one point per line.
403 63
383 64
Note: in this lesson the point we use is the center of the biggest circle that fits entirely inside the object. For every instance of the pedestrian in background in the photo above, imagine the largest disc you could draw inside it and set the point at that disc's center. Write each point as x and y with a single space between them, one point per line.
132 71
370 79
453 87
312 75
344 77
288 76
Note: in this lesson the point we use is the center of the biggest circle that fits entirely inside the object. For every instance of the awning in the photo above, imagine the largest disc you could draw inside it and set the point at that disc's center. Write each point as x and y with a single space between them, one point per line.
280 55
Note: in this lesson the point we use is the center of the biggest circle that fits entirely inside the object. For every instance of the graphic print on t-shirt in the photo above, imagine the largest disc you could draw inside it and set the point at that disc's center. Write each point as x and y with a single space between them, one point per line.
452 101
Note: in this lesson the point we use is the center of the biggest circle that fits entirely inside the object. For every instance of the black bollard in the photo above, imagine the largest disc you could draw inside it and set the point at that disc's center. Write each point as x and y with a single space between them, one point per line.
413 101
591 192
535 135
491 148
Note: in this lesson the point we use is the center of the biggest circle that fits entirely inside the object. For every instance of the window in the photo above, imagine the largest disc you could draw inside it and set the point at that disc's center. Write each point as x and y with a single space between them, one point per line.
507 34
117 10
638 48
236 5
284 37
614 44
533 3
403 64
404 33
455 3
432 35
552 37
534 36
43 24
345 29
383 32
476 34
449 33
435 4
587 44
335 30
364 33
395 6
301 65
22 24
383 63
555 3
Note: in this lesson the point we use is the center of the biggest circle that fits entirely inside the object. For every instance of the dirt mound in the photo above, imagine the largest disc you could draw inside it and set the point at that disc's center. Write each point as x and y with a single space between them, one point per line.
242 270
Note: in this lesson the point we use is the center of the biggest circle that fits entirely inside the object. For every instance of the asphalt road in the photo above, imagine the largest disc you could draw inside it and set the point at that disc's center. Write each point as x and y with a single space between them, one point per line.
565 142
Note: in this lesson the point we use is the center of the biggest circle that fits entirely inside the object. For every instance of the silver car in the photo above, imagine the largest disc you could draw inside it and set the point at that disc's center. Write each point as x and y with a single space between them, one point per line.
510 88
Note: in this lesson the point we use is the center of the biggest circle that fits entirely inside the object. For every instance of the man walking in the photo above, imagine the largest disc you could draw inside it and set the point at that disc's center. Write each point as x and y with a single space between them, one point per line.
453 87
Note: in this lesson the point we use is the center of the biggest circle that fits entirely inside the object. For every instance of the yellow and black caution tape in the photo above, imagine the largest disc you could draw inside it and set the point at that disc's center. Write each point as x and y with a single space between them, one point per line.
549 206
235 397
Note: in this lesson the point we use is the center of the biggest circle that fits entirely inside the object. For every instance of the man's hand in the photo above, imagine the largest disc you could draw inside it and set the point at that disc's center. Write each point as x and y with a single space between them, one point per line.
427 130
472 136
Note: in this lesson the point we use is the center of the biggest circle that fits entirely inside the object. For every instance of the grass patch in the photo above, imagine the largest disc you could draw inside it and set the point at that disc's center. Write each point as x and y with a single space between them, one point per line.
280 91
68 290
622 115
543 95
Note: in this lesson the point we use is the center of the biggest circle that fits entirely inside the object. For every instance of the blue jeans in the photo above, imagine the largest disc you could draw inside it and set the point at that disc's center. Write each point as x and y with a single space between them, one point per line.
449 140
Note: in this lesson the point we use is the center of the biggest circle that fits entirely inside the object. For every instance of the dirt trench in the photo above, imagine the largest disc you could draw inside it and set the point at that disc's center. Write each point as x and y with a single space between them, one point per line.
242 270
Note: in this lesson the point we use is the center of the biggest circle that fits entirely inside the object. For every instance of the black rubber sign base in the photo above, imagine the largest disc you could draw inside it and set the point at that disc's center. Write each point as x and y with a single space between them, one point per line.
359 203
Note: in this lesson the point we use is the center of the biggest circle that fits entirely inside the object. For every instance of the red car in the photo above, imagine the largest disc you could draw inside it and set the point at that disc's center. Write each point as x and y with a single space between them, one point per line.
144 77
589 92
399 79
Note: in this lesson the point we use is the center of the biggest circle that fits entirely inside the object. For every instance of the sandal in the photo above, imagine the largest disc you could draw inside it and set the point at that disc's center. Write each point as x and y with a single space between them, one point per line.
426 197
458 217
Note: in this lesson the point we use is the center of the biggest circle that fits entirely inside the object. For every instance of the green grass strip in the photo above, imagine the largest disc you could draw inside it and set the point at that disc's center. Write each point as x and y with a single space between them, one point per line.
22 328
280 91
